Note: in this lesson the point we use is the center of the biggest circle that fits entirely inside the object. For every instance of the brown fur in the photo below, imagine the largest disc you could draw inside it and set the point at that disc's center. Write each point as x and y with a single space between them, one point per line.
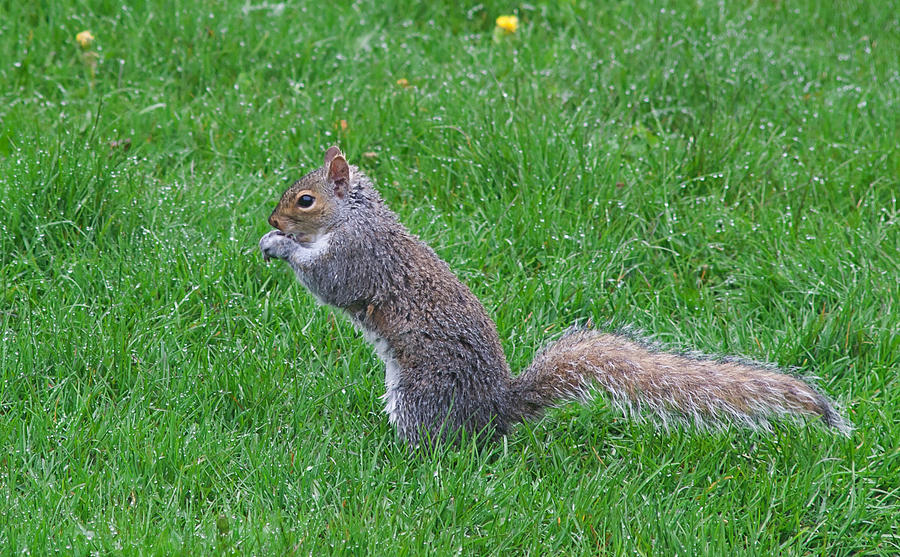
702 390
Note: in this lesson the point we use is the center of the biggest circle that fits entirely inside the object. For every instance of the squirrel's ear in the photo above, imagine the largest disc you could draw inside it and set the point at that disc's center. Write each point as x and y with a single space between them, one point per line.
332 152
339 174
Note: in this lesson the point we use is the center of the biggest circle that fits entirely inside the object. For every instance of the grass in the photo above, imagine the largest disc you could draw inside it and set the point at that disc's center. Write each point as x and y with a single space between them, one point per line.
722 176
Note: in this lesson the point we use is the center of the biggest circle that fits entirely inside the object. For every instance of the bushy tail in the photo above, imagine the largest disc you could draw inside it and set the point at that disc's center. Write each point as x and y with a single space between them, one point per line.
674 387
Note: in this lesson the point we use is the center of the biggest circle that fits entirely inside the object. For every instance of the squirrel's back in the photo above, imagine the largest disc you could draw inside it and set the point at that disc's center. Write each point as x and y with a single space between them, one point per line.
445 366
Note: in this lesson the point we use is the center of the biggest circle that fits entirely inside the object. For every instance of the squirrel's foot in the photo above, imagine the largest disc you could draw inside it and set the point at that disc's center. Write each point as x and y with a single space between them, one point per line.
276 245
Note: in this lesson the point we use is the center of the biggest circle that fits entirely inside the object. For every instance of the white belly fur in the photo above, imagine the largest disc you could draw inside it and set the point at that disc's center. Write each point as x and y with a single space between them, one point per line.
308 254
391 374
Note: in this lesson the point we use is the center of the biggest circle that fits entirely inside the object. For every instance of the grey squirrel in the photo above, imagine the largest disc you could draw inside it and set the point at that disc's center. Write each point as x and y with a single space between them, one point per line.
445 370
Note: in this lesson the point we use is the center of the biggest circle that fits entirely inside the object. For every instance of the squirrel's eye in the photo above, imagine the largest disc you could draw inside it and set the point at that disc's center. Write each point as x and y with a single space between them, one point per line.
306 201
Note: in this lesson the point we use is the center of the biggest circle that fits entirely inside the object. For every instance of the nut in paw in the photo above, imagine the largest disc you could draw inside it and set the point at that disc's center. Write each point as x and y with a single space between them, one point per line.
276 245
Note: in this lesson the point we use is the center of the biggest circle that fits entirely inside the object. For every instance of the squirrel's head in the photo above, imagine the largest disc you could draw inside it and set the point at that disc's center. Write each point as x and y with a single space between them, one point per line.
311 206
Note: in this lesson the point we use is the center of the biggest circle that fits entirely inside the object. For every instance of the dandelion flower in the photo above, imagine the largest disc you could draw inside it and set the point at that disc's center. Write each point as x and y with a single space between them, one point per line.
508 23
85 38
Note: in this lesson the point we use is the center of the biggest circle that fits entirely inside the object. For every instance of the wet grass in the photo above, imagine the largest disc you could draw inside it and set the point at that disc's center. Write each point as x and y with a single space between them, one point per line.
722 176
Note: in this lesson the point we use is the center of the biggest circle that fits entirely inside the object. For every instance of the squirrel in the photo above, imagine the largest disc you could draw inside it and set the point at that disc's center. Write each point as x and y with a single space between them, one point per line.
445 371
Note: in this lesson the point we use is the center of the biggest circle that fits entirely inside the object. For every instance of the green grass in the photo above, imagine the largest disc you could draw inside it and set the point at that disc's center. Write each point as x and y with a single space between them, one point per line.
720 175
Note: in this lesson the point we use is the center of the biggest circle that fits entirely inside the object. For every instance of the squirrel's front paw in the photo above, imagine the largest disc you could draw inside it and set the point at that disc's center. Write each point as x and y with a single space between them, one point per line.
275 245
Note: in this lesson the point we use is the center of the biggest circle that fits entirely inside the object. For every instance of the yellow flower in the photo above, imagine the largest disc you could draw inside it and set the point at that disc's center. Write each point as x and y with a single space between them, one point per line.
85 38
508 23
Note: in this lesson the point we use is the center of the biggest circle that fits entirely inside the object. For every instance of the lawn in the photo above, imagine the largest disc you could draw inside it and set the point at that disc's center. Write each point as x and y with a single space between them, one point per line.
720 176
